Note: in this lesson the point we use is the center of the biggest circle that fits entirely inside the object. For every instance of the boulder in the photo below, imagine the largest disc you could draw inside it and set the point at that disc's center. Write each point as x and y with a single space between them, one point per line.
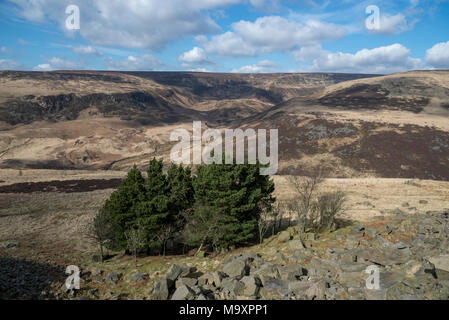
236 269
190 282
292 272
316 291
252 286
174 272
112 277
274 289
183 293
162 288
138 277
232 288
441 262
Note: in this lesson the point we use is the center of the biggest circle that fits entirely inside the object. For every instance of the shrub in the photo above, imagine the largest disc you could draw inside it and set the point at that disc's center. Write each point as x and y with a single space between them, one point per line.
330 205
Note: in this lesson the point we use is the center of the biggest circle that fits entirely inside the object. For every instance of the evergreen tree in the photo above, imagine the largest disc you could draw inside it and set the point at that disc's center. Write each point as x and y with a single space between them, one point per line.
228 199
153 210
121 207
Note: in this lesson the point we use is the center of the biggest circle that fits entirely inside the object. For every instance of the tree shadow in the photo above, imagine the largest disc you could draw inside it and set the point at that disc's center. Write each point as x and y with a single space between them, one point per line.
22 279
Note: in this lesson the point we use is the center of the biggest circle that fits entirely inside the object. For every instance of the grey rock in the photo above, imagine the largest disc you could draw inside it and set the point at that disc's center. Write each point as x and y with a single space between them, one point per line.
292 272
274 289
138 277
112 277
252 286
189 282
162 288
236 269
316 291
183 293
174 272
441 262
232 288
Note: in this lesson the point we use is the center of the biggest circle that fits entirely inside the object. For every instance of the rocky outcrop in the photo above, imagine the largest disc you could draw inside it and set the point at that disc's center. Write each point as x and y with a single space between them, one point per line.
414 270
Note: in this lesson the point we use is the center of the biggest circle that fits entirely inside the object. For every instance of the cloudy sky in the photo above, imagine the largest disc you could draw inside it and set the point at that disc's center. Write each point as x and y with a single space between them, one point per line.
225 35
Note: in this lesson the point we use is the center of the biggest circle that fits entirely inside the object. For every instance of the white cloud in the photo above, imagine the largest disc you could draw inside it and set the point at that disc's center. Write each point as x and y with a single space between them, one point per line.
144 62
269 34
56 63
195 56
265 66
129 23
382 60
390 24
438 55
87 50
8 64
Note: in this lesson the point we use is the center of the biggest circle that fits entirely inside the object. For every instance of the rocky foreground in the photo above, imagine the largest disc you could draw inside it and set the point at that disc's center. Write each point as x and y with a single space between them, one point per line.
408 271
410 251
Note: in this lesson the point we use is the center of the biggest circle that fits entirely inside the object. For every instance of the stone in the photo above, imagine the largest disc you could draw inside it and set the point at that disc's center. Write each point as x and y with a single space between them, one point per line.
441 262
316 291
292 272
232 288
351 243
183 293
162 289
386 256
174 272
190 282
206 279
236 269
138 277
298 287
352 279
218 278
266 272
112 277
252 286
274 289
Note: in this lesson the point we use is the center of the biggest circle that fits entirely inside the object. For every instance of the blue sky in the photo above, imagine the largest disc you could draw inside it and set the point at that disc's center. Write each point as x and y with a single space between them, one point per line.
226 35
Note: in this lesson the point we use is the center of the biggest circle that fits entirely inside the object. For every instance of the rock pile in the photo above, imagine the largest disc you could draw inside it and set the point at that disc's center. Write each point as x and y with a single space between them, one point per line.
417 268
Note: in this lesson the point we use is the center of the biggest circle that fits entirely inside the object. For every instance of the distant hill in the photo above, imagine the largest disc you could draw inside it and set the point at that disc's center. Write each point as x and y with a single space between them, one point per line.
360 125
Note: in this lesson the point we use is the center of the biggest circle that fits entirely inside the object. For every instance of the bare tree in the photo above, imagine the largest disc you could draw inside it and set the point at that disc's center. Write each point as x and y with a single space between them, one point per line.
264 223
135 238
304 203
330 205
166 233
101 230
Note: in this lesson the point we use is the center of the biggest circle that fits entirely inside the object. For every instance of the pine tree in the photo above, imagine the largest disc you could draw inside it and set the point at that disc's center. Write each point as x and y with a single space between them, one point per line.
153 211
228 199
121 207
